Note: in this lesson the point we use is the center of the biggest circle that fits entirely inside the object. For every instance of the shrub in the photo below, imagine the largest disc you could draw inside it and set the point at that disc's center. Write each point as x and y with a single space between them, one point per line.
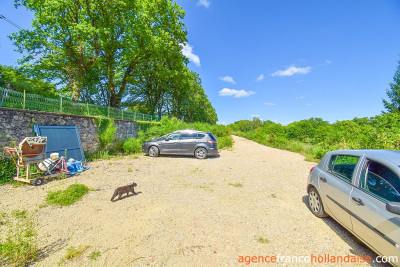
7 169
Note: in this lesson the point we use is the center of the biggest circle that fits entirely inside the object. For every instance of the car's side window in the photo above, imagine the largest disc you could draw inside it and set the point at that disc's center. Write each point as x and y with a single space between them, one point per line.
174 136
343 166
200 136
380 181
188 136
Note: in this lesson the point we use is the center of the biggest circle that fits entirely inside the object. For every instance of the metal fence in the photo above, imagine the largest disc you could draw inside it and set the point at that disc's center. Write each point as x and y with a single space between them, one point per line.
15 99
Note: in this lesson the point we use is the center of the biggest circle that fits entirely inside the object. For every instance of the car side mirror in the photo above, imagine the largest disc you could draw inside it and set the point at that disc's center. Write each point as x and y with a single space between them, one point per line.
393 207
166 139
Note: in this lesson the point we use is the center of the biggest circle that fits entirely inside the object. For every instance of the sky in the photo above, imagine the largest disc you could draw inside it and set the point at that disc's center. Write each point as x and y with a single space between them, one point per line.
280 60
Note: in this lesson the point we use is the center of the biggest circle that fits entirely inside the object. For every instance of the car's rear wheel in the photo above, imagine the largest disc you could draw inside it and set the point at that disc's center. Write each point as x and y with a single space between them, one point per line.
200 153
315 201
153 151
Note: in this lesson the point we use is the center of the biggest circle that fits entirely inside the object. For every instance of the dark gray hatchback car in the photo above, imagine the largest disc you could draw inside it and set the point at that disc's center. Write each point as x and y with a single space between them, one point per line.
183 142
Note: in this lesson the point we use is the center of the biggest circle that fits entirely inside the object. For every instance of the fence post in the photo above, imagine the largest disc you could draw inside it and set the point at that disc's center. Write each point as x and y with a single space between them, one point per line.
122 113
87 106
134 118
23 107
109 111
60 104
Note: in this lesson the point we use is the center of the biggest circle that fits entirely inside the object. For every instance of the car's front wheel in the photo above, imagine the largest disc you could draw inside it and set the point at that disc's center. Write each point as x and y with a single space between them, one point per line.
315 202
200 153
153 151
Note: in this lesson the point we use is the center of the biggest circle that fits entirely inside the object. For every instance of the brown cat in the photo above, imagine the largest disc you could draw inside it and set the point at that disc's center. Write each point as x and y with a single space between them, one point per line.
124 189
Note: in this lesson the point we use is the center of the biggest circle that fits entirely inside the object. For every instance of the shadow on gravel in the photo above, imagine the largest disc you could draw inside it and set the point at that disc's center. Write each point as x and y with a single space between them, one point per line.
126 196
357 247
185 157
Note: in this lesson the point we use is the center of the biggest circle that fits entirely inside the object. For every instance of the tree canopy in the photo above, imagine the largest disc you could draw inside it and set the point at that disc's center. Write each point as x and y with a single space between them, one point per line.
393 104
13 78
120 53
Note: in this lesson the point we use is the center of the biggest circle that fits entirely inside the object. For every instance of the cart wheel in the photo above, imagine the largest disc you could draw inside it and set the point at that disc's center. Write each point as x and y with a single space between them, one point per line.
38 181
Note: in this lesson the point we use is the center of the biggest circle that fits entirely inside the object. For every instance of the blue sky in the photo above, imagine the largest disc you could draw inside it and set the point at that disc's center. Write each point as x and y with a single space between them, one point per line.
281 60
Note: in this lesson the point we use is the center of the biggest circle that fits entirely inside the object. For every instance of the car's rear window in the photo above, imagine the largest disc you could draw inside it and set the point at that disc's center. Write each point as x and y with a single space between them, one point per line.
199 136
188 136
212 136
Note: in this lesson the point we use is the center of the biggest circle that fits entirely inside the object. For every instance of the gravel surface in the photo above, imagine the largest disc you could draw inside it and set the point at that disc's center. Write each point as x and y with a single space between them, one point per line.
187 212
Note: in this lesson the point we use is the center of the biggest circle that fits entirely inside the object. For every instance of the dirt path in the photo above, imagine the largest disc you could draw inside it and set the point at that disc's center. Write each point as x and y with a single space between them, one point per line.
189 212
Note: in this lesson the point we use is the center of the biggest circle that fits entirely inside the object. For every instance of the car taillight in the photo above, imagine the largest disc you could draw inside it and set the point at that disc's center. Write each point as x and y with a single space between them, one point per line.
211 142
312 169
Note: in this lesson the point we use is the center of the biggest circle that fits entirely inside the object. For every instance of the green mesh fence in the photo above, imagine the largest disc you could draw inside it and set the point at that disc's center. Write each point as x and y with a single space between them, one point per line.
15 99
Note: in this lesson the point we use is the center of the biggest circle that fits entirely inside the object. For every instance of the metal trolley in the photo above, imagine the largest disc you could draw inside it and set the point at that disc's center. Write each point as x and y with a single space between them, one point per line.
32 151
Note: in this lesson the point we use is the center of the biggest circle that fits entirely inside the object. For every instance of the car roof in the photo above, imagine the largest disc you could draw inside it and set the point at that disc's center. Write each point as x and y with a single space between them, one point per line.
389 155
188 131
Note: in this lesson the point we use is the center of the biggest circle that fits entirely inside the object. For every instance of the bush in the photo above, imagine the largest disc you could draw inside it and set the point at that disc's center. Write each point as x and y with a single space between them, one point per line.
7 169
132 145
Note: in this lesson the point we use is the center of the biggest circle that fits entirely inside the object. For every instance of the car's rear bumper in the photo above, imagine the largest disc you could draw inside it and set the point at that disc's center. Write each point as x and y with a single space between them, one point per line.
212 151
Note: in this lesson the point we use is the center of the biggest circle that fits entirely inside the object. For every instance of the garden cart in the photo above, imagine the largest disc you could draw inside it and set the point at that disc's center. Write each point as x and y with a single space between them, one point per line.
32 152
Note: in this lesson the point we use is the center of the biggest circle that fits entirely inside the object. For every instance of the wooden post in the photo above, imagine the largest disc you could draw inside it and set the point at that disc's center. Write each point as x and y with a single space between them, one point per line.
60 104
23 107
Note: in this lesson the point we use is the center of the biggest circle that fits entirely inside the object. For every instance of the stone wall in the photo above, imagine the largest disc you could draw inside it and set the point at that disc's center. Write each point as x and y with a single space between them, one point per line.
16 124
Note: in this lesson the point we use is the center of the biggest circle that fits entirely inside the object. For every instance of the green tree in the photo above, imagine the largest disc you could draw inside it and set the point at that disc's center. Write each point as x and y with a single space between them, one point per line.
13 78
393 103
95 48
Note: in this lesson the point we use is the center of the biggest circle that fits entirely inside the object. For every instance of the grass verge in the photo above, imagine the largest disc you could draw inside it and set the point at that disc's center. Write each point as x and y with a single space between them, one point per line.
68 196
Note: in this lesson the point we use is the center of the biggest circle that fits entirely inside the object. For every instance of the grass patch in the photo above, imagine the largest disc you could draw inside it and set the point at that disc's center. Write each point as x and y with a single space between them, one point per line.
272 195
94 255
18 246
130 170
68 196
73 252
206 188
263 240
236 185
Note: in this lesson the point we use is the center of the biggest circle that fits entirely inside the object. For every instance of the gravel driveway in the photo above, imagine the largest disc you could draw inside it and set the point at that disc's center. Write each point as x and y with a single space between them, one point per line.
250 201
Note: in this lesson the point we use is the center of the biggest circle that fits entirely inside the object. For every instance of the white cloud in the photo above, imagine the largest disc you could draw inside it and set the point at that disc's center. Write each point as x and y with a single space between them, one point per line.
328 61
205 3
270 104
300 97
235 93
308 104
187 51
260 78
291 70
228 79
255 116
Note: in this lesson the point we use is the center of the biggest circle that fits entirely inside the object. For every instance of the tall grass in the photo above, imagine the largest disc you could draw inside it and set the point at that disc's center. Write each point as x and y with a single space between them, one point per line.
18 238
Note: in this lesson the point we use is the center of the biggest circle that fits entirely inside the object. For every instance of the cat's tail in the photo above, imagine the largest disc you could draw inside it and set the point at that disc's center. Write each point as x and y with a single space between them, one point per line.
113 196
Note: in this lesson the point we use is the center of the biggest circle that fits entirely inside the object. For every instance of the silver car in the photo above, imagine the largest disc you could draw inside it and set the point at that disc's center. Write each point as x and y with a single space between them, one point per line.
361 190
184 142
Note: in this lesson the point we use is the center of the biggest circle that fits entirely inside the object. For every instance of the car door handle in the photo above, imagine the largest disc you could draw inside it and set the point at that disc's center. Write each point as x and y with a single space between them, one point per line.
323 179
358 201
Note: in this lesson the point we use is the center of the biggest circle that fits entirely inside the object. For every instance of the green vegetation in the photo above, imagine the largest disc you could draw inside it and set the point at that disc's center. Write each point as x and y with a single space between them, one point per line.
7 169
393 104
68 196
105 131
126 54
94 255
263 240
236 185
73 252
18 80
314 137
18 238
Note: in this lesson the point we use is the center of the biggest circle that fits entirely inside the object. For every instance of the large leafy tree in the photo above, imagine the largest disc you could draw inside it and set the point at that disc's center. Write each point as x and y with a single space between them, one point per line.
393 103
94 48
